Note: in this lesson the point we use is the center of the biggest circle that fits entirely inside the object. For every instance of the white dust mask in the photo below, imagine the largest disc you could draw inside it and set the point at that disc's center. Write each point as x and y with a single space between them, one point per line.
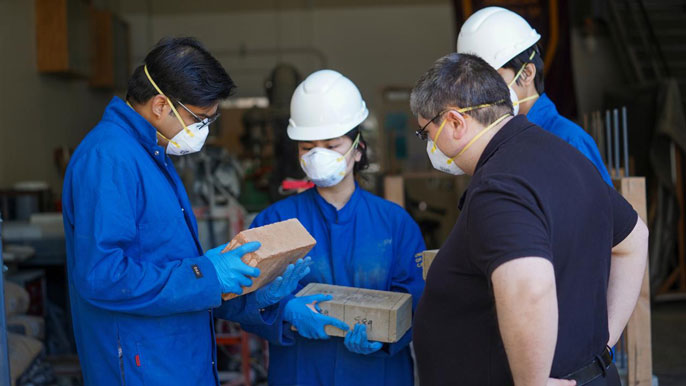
326 167
442 162
438 159
515 101
191 138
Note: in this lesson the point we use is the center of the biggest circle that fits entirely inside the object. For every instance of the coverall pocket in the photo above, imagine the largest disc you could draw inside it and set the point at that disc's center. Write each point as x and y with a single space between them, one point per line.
129 362
175 358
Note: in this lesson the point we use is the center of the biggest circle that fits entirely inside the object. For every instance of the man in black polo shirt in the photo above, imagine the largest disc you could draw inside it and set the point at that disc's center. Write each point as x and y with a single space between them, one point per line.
544 265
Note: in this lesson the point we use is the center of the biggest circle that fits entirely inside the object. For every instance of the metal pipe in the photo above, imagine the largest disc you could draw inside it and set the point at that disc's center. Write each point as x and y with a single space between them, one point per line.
625 135
615 115
244 52
4 350
608 141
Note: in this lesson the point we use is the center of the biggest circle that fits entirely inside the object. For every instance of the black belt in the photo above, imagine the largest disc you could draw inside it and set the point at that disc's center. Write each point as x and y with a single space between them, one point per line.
592 370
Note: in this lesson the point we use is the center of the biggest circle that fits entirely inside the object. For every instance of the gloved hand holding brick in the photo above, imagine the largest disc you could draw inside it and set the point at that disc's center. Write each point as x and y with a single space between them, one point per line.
282 243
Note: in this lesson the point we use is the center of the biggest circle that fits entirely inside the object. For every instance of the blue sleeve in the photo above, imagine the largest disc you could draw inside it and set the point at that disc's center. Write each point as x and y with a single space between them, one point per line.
243 310
587 146
407 273
271 326
106 269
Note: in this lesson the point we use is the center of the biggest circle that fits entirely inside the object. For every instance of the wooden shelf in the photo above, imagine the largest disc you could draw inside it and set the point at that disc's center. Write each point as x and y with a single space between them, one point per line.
110 51
63 36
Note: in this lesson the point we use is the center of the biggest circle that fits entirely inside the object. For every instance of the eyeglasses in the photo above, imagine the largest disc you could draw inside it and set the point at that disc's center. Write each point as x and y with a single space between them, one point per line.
422 133
205 121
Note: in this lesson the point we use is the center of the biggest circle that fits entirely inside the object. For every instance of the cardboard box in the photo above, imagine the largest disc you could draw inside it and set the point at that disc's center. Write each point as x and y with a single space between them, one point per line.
428 257
388 315
282 243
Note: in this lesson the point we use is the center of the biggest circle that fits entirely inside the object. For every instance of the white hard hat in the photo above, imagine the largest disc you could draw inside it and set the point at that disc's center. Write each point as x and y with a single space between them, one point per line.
325 105
496 35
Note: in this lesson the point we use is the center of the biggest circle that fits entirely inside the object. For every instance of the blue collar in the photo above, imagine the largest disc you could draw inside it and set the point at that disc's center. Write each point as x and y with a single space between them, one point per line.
329 211
122 115
542 111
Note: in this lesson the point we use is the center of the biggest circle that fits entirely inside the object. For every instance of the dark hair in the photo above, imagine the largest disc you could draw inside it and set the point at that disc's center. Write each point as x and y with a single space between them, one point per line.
184 70
363 163
461 80
516 63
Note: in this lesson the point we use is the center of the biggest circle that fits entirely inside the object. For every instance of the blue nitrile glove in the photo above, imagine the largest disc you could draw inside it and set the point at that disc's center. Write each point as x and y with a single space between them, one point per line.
356 341
284 284
231 270
310 323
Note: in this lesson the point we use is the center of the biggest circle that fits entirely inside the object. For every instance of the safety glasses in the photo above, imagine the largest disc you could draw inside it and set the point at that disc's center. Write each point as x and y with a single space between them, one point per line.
422 133
205 121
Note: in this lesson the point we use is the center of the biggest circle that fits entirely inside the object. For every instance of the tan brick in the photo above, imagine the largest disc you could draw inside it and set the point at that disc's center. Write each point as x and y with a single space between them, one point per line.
428 257
387 315
282 243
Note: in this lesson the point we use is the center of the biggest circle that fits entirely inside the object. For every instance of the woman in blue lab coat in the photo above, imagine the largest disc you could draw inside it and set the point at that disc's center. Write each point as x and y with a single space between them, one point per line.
362 241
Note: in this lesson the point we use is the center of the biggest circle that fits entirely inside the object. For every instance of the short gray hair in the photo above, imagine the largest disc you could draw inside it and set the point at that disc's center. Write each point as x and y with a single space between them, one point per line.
461 80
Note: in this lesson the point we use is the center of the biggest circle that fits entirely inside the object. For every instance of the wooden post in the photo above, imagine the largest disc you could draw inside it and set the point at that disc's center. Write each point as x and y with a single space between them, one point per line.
394 189
638 332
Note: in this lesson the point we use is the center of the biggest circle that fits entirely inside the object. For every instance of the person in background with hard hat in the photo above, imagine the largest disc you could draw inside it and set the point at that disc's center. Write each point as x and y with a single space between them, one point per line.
362 241
508 43
143 293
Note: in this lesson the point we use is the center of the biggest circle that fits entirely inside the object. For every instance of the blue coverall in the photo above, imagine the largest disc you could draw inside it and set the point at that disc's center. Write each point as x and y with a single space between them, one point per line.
369 243
142 293
544 114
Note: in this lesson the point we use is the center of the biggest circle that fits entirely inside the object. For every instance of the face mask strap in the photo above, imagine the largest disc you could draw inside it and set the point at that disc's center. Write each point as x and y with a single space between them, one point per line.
462 110
169 140
465 109
533 53
438 133
178 116
520 101
353 147
158 133
476 137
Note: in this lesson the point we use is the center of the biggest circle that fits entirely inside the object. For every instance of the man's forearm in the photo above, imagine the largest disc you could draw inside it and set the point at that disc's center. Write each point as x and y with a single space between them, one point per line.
627 268
526 302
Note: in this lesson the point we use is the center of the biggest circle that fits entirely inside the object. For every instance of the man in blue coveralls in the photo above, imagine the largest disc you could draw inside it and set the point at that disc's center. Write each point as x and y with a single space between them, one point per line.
143 293
508 43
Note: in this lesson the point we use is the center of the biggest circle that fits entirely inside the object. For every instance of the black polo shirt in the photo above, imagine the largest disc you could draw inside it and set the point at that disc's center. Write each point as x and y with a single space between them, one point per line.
532 195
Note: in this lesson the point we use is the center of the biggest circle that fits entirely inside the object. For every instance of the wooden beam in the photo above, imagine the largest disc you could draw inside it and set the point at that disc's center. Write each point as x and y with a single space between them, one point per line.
52 35
638 331
394 189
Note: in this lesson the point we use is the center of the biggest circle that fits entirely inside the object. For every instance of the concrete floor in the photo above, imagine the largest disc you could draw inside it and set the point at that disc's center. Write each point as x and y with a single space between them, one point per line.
669 343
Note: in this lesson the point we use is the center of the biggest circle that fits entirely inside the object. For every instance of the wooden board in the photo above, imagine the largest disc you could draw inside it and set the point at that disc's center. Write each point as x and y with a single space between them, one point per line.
63 37
51 35
387 315
282 243
394 189
102 57
428 257
638 330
